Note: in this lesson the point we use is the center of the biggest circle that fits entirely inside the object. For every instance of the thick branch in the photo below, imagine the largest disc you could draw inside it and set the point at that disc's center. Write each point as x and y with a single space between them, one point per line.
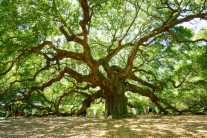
61 54
87 102
66 94
70 38
147 93
160 30
67 70
84 24
145 83
169 106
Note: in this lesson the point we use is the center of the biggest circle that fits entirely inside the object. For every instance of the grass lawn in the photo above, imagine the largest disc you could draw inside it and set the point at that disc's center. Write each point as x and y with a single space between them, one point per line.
185 126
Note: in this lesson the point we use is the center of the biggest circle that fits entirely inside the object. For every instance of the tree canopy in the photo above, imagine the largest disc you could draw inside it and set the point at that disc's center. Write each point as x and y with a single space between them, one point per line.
61 56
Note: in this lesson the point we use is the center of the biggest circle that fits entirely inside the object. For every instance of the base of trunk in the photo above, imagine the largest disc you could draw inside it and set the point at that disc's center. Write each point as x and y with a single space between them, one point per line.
117 106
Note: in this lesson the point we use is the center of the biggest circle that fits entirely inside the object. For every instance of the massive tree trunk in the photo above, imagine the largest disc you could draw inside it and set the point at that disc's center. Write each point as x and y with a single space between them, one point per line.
116 104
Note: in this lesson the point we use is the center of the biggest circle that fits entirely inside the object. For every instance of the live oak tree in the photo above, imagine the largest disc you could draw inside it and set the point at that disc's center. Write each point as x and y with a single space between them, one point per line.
57 53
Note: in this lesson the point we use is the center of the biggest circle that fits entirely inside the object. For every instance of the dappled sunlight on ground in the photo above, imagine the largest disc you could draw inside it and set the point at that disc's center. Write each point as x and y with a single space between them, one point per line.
77 127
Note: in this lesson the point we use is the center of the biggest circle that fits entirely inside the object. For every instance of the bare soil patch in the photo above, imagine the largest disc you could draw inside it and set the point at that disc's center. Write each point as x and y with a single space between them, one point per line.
77 127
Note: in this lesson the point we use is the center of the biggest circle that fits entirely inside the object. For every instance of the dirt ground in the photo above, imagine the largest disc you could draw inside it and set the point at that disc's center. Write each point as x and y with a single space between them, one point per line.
78 127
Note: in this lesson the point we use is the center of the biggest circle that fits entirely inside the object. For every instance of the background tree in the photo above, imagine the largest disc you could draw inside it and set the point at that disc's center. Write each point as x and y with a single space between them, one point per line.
59 56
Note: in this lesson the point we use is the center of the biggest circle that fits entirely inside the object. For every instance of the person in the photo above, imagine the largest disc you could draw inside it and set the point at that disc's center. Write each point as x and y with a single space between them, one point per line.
8 111
149 109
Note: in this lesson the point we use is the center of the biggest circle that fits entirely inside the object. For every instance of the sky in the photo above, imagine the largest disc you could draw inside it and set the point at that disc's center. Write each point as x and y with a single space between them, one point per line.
196 24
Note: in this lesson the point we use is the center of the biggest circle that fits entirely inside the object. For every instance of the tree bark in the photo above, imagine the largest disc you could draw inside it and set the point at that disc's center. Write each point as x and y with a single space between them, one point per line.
87 102
116 105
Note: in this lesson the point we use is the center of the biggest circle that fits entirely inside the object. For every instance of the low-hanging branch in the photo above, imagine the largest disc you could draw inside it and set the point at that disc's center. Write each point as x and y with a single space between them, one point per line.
65 94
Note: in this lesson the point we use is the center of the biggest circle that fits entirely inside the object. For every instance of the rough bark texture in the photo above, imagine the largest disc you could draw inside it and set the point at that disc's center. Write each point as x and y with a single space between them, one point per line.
116 102
120 106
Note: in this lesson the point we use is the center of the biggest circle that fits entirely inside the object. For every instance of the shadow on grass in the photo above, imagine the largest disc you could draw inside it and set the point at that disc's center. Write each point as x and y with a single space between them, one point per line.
75 127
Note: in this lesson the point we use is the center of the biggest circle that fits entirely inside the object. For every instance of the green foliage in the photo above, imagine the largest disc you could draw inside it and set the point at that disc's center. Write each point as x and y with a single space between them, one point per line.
183 33
139 103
